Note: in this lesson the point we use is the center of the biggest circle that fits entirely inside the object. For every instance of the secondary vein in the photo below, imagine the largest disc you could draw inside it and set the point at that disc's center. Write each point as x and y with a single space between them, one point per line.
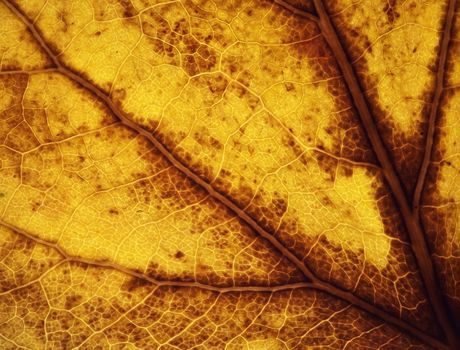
410 218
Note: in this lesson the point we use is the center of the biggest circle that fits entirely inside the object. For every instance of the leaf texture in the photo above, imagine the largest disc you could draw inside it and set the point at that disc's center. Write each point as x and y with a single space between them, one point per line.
55 307
441 195
231 174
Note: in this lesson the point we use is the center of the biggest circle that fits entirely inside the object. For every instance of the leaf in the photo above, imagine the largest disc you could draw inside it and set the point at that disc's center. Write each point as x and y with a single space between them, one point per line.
239 175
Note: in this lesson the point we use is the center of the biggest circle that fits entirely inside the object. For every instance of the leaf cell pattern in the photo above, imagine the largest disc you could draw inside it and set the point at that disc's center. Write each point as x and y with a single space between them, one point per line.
229 174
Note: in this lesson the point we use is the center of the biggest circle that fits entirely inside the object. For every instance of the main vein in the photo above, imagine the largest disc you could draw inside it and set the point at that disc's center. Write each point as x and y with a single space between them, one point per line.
349 297
410 218
439 88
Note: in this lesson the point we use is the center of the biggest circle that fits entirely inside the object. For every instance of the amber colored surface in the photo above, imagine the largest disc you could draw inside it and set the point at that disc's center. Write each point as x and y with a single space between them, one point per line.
198 174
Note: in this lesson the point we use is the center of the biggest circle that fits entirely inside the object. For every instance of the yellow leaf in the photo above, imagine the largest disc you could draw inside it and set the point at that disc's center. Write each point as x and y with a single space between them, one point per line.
260 174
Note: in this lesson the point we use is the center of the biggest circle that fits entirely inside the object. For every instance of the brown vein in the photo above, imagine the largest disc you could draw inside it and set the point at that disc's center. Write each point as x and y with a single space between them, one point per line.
131 272
413 226
295 10
439 88
347 296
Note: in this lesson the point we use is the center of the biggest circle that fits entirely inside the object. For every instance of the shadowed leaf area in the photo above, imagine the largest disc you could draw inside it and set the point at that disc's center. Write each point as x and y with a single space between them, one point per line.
198 174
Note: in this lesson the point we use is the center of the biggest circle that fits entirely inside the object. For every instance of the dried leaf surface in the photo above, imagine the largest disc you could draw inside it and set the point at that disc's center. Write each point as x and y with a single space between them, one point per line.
236 174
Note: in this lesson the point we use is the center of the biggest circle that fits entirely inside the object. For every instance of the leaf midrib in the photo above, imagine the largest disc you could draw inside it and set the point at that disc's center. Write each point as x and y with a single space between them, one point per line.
410 217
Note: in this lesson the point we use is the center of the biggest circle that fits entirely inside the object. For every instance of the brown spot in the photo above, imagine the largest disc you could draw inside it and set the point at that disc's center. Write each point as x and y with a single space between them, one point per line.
63 17
114 211
233 68
346 171
154 25
191 44
153 270
280 206
181 27
238 90
215 143
217 84
72 300
327 164
289 86
353 33
129 12
199 58
179 255
390 11
35 206
326 201
135 283
245 78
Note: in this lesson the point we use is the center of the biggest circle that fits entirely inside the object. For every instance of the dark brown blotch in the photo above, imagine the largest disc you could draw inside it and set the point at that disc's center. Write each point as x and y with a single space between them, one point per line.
128 9
346 170
114 211
327 164
72 300
135 283
179 255
390 11
289 86
280 206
